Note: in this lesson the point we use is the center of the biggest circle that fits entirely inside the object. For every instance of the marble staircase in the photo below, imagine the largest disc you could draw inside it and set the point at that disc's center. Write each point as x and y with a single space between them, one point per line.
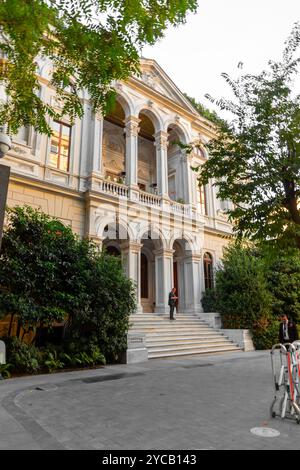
187 335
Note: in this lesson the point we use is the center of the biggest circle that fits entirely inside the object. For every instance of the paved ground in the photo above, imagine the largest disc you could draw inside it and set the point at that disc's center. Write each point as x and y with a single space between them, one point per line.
194 403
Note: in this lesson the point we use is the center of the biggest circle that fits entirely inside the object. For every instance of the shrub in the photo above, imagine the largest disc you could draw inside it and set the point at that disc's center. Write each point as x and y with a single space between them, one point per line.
265 333
104 319
83 359
51 361
4 371
241 288
283 277
209 300
22 357
48 274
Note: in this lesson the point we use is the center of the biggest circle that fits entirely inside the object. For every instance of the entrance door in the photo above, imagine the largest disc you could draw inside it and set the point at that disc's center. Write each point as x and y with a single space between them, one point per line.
144 277
175 279
146 285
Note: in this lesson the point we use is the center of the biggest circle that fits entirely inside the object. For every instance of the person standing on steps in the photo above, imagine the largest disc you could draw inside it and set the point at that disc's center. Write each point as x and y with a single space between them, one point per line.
172 302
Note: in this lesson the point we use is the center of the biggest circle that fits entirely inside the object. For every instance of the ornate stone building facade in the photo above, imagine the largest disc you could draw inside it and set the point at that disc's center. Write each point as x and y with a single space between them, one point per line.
123 181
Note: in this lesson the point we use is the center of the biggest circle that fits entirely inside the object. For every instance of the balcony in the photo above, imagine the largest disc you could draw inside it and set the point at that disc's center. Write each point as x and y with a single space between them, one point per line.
121 191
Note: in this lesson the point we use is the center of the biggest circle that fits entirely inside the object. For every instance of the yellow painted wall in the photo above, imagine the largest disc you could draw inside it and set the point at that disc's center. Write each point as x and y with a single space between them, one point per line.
70 210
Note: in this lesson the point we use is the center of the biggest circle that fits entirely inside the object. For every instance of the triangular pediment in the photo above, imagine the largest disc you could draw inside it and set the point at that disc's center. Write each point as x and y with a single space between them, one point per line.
153 76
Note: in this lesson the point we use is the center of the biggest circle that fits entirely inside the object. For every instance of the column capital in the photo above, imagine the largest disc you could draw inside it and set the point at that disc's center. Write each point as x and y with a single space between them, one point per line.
194 256
130 245
161 140
165 252
132 126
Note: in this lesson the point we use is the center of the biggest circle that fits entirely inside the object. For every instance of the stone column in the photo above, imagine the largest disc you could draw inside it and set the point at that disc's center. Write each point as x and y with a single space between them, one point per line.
192 281
187 178
161 144
131 259
86 144
132 130
39 139
97 137
163 279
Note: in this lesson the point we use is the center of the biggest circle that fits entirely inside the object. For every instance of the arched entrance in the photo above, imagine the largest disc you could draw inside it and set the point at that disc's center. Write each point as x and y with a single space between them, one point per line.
177 171
150 245
185 271
115 238
113 250
178 273
114 145
146 172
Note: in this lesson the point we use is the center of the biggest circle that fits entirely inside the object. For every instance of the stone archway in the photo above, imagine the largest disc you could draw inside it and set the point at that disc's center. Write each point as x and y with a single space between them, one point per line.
147 171
186 276
150 245
147 277
114 145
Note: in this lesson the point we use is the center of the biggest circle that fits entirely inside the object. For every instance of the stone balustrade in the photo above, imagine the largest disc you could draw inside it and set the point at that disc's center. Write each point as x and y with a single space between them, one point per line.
116 189
180 209
149 199
121 190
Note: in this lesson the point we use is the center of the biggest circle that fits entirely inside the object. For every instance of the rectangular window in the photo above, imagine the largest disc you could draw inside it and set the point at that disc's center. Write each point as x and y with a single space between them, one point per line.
22 135
60 146
202 200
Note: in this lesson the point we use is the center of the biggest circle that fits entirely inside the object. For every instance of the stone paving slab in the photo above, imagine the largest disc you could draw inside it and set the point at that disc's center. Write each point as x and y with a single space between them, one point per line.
197 402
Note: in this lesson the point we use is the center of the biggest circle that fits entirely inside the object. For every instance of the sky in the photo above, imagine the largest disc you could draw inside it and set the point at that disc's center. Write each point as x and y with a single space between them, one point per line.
219 36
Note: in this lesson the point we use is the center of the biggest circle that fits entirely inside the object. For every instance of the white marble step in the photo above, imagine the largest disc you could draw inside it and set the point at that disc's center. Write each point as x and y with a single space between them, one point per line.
171 323
183 336
161 318
165 329
171 352
187 335
185 342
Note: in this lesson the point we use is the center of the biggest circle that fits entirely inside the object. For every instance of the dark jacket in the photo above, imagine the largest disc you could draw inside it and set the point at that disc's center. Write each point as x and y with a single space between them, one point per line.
292 332
172 300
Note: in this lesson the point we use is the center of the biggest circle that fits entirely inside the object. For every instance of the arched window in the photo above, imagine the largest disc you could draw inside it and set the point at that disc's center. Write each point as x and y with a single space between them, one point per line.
113 250
208 271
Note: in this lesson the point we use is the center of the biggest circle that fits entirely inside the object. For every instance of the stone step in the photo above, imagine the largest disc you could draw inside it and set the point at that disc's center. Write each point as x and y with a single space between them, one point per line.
171 327
188 321
166 329
171 323
188 335
181 336
164 317
160 353
167 343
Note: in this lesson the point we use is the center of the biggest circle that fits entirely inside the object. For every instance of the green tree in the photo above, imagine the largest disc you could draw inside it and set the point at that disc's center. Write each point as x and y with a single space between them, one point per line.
91 43
105 320
37 257
204 111
283 278
255 160
243 295
48 274
241 289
